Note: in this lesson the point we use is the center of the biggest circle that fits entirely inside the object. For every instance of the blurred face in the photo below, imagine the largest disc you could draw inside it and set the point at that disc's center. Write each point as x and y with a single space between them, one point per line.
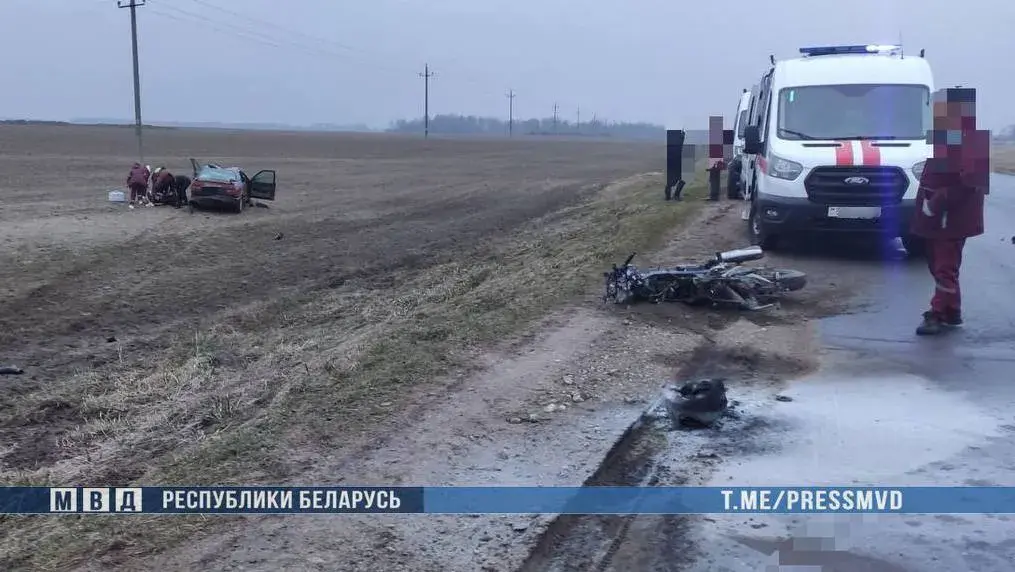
954 123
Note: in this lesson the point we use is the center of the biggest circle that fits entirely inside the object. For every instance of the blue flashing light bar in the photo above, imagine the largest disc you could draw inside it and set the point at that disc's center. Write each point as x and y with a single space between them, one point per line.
864 49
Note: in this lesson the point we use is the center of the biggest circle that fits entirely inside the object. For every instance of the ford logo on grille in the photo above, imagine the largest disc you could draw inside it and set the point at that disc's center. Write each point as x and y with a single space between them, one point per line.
856 181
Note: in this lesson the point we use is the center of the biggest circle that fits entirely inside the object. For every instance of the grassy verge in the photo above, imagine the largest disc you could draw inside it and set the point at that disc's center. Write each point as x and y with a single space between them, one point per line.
307 373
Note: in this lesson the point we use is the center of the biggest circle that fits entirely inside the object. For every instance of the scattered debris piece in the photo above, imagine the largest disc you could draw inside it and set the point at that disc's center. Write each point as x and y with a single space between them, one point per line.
699 403
577 397
520 526
568 380
758 525
515 420
11 370
707 455
110 339
783 398
279 236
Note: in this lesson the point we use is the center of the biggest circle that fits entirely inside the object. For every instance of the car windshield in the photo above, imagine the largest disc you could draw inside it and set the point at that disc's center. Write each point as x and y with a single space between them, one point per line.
854 112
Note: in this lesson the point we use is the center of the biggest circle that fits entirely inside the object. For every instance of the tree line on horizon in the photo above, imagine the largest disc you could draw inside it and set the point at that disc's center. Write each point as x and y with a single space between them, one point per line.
453 124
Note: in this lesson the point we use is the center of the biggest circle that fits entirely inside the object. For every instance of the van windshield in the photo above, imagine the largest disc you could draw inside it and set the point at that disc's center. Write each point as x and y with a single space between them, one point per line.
854 112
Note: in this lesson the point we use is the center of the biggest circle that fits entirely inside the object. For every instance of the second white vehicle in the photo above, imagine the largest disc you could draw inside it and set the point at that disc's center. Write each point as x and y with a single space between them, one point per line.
734 187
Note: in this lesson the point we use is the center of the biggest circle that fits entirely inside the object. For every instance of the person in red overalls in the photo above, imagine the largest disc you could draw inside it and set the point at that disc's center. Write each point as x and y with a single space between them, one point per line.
949 204
162 184
137 181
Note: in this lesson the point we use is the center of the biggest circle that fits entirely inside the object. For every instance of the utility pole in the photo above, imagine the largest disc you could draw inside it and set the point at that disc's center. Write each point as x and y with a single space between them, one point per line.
511 113
555 108
426 75
133 5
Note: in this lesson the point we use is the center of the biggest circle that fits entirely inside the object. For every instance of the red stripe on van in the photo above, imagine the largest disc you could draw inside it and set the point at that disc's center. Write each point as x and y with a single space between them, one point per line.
871 154
844 154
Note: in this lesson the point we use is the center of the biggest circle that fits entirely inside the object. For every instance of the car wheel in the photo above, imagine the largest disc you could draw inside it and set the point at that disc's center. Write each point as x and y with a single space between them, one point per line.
238 207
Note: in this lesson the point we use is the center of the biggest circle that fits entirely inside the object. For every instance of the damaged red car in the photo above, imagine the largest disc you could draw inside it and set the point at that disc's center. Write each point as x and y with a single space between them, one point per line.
229 187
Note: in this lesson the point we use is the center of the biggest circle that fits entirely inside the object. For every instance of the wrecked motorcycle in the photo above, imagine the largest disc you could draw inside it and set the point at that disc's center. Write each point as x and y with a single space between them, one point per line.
721 280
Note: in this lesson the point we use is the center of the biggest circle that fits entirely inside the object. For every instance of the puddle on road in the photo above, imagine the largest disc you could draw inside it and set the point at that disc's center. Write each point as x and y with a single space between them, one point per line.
860 422
848 429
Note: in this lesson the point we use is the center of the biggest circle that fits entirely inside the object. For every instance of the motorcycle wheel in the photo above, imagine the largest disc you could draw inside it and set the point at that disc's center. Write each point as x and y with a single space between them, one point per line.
789 280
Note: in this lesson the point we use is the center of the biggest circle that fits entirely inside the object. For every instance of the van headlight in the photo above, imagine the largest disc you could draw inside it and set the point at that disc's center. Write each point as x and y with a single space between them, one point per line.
784 168
918 169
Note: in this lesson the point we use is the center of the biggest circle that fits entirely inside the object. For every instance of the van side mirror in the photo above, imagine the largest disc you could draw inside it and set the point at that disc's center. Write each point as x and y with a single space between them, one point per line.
752 140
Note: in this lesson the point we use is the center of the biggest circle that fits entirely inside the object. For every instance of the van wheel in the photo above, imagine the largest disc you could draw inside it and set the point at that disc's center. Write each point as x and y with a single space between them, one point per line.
756 230
915 246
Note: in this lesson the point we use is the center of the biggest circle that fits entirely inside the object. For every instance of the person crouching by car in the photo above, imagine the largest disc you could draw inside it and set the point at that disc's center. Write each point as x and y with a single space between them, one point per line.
180 184
162 186
137 182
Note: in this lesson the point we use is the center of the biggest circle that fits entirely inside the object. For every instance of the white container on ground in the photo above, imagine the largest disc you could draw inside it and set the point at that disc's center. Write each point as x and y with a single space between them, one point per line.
117 196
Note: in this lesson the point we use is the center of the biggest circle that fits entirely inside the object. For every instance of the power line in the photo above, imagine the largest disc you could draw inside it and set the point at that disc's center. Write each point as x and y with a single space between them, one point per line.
426 75
292 32
511 112
134 5
188 18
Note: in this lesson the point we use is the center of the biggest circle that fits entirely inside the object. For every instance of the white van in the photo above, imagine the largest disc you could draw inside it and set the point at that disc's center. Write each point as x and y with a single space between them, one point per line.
840 142
740 120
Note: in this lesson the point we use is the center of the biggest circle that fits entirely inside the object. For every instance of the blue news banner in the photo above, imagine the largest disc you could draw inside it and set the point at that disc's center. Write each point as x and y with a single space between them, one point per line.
507 500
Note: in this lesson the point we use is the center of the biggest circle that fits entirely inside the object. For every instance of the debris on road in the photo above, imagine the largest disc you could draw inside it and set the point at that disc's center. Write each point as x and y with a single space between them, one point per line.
11 370
699 403
784 398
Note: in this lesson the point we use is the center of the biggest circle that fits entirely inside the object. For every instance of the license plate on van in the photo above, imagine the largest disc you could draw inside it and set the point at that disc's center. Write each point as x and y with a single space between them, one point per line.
854 212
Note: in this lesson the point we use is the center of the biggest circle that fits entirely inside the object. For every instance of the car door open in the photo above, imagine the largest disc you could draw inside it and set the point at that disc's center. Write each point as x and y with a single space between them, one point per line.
262 186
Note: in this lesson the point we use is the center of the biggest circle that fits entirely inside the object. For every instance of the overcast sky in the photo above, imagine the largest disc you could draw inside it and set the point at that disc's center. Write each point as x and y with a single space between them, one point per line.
356 61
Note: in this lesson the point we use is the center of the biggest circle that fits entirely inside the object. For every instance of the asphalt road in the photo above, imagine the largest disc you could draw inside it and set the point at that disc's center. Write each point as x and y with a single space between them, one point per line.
888 408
